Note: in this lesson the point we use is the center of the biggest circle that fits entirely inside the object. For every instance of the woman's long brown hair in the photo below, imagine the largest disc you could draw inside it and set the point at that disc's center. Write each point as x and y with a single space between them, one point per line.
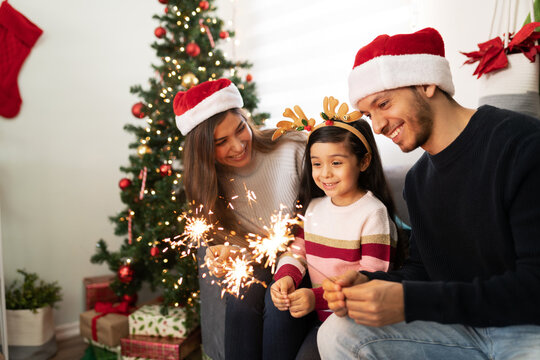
204 181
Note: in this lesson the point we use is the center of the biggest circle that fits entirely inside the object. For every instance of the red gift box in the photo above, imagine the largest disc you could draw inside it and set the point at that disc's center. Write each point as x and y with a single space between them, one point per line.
97 289
160 348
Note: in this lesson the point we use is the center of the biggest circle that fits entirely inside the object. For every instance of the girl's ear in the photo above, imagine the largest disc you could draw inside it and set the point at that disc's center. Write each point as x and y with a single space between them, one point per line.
366 160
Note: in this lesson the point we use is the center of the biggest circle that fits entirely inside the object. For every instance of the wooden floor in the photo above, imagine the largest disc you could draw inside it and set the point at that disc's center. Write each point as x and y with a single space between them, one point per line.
70 349
73 349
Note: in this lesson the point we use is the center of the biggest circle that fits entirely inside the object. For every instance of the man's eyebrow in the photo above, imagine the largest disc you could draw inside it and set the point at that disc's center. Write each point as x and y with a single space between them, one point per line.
374 101
378 97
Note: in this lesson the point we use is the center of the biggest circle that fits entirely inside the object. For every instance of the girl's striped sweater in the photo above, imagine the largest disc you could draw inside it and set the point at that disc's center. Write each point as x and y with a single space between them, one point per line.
360 236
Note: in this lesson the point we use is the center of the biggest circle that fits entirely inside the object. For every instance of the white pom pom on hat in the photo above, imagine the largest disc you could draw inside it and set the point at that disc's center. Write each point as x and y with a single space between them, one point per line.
391 62
200 102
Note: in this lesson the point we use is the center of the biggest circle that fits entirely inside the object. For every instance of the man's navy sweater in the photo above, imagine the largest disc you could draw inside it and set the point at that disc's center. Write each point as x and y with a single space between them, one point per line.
475 216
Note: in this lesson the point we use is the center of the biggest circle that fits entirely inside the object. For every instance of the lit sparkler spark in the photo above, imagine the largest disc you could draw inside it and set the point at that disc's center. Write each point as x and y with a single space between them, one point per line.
278 238
250 195
195 230
238 275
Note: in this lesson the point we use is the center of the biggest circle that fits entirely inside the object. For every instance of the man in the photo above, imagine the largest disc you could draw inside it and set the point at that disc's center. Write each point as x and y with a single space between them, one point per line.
471 286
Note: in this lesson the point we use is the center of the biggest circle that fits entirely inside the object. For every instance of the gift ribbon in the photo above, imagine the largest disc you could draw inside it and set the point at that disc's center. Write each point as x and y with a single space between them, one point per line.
210 38
142 175
104 308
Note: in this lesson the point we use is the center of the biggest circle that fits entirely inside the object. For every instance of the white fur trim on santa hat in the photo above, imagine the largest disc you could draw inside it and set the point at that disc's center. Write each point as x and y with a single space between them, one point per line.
395 71
224 99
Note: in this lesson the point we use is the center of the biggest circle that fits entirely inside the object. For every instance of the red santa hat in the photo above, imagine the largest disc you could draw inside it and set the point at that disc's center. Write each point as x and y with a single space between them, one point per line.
209 98
390 62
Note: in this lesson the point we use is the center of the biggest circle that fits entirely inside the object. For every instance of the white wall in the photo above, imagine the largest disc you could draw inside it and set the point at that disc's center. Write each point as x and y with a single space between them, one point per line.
59 158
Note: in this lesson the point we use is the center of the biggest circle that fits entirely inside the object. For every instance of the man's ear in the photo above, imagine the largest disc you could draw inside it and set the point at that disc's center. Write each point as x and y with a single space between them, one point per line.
427 90
364 164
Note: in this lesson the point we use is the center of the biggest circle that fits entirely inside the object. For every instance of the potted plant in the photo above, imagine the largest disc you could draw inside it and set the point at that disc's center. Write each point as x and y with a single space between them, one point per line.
29 316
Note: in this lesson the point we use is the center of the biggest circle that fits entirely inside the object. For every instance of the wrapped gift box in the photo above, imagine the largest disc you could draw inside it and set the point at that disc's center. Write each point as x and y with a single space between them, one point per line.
97 288
160 348
148 320
110 328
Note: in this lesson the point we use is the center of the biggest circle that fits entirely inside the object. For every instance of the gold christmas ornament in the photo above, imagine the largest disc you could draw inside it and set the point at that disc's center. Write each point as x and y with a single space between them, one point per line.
189 79
143 149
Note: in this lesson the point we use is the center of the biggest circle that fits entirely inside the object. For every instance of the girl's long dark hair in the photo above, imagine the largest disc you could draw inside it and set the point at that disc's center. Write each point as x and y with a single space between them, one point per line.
371 179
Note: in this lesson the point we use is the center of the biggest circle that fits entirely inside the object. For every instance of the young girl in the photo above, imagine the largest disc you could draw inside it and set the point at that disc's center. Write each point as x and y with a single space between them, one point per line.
348 212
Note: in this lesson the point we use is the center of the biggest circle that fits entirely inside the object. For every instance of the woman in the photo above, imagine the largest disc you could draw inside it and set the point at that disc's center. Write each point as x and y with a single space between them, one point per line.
242 177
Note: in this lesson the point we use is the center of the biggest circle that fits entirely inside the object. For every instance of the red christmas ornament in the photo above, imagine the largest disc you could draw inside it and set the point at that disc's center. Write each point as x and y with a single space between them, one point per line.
165 170
249 77
160 32
154 251
138 110
192 49
166 10
223 34
164 1
204 5
124 183
131 299
161 122
125 274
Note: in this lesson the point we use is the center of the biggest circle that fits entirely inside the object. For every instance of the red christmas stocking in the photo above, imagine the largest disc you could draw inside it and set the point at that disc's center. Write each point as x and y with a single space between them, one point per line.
17 37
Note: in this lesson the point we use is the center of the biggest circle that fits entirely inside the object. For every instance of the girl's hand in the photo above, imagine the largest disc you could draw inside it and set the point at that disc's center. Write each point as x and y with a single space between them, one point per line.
217 255
302 302
279 292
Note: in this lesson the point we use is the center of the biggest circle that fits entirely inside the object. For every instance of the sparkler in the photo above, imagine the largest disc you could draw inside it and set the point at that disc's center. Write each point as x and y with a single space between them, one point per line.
250 195
195 230
277 241
238 275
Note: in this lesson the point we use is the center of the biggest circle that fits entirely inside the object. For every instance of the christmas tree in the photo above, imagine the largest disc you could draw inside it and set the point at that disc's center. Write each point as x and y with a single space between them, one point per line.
187 46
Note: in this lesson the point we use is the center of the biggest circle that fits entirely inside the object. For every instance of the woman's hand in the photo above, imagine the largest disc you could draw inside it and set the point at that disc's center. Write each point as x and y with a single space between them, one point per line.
302 302
279 292
217 255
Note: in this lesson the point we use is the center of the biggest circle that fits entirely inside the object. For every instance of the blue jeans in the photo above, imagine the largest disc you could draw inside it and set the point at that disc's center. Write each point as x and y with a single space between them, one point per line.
284 335
342 338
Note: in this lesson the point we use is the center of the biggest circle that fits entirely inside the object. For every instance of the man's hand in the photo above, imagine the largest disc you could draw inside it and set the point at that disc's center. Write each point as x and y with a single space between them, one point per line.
333 290
216 255
375 303
279 292
302 302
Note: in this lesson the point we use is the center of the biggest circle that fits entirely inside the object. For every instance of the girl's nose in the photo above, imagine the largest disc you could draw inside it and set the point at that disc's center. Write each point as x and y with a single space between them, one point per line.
327 171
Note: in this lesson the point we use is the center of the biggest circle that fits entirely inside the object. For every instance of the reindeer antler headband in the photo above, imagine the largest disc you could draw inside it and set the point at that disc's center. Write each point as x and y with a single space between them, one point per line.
329 115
